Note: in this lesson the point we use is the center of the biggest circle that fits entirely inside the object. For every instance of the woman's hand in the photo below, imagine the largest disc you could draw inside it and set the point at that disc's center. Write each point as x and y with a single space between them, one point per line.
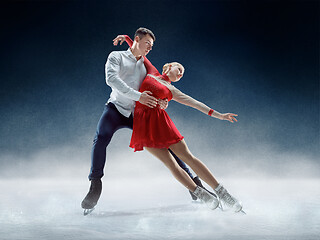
120 38
163 103
229 117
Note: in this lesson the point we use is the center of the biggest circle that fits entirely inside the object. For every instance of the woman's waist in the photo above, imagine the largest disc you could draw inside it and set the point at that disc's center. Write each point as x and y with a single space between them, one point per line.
141 107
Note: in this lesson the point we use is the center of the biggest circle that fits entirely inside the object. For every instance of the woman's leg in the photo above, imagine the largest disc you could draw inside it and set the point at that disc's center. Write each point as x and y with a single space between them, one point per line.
164 155
226 199
182 151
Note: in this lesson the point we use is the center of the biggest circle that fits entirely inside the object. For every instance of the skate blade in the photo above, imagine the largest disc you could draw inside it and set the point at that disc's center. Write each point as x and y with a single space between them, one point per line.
87 211
242 212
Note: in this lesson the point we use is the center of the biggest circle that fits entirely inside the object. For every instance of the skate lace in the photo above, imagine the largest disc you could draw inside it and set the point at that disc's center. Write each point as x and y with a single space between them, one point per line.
227 198
205 197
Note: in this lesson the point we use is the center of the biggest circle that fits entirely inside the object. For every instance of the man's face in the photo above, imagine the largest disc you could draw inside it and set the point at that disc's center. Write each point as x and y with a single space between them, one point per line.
145 45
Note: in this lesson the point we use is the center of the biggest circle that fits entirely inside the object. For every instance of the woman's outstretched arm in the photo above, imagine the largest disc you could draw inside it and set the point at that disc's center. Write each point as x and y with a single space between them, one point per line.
184 99
122 38
128 40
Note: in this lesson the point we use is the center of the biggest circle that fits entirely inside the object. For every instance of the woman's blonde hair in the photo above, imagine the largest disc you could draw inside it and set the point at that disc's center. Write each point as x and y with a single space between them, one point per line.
166 66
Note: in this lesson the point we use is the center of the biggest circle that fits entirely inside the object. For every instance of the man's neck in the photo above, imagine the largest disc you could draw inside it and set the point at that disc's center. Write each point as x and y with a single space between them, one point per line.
134 53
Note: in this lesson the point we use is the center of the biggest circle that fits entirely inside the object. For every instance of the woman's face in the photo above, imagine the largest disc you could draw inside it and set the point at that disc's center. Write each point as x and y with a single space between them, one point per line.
175 73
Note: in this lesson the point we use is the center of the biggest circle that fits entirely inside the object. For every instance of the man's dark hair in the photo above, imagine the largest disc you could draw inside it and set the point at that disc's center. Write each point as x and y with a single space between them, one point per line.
141 32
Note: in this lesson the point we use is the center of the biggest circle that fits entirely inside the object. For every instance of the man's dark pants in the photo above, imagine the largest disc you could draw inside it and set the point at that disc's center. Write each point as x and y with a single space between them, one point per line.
110 121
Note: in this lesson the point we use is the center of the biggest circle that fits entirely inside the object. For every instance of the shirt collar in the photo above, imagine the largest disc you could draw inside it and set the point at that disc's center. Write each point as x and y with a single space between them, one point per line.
129 54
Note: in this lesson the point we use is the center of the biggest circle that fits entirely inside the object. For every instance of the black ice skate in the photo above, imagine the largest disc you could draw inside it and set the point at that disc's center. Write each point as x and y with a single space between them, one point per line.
198 182
90 201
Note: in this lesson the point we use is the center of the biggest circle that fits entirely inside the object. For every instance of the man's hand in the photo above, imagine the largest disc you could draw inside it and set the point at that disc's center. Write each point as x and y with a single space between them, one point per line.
229 117
120 38
163 103
148 100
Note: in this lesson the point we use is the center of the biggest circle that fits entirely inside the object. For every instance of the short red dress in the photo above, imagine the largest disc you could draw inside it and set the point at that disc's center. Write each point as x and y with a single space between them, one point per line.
152 127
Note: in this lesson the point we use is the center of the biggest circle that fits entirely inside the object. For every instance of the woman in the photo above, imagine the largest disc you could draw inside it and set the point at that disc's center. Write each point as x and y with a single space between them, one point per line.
154 130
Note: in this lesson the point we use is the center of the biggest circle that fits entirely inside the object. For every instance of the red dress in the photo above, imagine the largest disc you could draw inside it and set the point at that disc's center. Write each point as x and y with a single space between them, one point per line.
152 127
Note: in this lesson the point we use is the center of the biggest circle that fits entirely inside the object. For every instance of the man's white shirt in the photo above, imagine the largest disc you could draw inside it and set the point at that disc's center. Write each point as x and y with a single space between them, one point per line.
124 74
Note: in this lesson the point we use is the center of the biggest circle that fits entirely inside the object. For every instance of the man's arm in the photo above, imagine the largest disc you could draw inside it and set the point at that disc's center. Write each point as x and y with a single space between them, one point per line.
112 69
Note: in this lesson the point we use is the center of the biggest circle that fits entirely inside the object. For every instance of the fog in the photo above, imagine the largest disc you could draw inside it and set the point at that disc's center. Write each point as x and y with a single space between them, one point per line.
227 156
141 208
41 195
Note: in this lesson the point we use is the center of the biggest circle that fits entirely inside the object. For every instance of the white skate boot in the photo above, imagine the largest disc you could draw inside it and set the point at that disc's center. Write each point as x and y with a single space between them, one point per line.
227 201
211 201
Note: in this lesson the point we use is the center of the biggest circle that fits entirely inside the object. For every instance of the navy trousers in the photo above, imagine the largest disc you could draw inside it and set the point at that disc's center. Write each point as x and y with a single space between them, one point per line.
110 121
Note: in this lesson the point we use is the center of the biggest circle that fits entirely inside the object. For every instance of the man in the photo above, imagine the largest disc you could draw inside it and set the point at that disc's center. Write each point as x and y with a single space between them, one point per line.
125 72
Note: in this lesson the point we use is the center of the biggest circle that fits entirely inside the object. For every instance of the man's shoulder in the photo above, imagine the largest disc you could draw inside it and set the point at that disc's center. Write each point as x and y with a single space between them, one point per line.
117 54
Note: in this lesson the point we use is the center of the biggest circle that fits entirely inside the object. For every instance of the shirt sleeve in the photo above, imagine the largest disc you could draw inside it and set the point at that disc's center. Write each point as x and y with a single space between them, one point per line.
112 69
184 99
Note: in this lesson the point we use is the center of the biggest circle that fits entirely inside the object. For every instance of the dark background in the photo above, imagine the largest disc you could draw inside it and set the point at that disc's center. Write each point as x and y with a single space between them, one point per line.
259 59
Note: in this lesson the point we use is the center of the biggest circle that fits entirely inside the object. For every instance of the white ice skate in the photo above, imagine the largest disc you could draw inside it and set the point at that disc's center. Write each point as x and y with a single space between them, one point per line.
211 201
227 201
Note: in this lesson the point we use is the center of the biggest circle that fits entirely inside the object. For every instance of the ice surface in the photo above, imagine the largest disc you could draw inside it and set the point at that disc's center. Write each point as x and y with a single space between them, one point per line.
157 208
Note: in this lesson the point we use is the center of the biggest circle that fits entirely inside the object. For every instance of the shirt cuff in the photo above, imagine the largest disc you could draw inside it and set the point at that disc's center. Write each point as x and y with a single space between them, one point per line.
135 95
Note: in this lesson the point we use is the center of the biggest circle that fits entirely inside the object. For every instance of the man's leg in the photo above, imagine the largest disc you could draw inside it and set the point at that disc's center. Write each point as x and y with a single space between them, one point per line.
181 163
108 124
110 121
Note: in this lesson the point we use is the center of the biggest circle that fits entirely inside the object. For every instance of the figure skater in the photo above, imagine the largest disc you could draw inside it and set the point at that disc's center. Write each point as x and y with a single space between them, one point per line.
154 130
